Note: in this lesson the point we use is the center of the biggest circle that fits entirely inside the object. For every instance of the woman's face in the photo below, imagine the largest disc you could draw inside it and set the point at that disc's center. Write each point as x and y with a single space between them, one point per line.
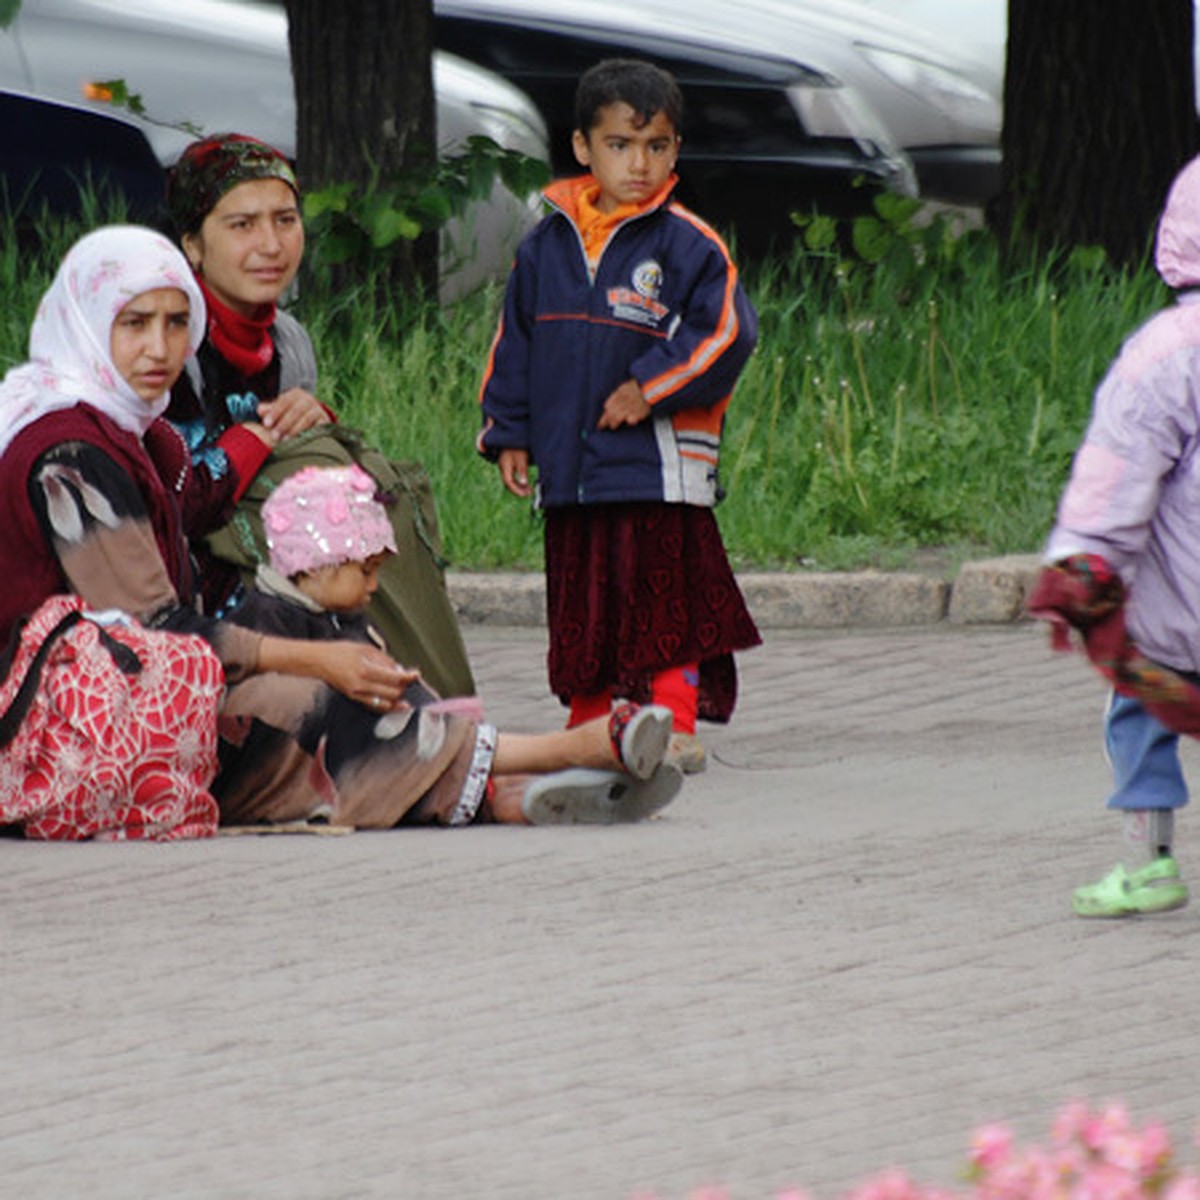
149 342
249 248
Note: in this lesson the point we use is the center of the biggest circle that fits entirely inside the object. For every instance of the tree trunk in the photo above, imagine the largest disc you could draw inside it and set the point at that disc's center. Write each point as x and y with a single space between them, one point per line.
363 76
1099 115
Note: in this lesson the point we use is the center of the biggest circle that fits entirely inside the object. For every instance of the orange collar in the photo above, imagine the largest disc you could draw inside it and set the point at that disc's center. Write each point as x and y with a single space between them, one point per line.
576 197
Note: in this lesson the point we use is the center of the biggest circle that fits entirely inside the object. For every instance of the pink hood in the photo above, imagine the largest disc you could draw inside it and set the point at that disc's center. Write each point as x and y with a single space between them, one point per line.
1177 250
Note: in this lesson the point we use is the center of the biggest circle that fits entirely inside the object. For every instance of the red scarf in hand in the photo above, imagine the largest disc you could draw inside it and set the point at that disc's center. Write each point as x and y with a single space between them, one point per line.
244 342
1085 593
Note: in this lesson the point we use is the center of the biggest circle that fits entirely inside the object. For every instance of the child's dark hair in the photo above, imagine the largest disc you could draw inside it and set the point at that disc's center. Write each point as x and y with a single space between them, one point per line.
647 89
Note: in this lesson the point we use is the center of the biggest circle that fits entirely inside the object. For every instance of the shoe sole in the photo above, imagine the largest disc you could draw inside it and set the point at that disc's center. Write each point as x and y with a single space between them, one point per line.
1170 901
583 796
645 740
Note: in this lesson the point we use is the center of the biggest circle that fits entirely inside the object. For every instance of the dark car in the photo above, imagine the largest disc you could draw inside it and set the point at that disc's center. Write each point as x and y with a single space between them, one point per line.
220 64
59 158
763 134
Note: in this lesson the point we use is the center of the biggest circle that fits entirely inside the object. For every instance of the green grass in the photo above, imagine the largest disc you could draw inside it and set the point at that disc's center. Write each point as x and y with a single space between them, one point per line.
927 402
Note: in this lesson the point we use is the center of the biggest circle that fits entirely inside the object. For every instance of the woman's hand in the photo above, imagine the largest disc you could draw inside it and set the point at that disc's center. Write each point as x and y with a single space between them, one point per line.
260 431
292 412
359 671
365 674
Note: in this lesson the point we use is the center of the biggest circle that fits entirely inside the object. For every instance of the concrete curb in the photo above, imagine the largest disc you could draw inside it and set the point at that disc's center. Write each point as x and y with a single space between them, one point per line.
989 592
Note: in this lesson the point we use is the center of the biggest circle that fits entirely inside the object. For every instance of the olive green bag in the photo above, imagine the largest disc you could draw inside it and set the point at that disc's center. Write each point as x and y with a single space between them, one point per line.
412 608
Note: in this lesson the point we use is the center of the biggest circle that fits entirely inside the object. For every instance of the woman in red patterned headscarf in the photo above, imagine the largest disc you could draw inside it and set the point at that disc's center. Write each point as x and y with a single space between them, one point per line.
235 205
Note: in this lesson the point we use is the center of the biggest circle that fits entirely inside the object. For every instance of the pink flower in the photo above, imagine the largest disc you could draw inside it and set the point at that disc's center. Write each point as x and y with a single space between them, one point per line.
990 1146
1094 1154
890 1185
1109 1124
1154 1150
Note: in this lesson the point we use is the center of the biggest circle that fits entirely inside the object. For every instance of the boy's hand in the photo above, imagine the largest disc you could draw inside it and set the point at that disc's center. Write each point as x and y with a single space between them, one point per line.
514 470
626 406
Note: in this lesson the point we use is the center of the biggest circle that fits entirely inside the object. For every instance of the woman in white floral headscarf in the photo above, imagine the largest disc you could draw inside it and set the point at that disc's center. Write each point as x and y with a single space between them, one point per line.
99 498
70 362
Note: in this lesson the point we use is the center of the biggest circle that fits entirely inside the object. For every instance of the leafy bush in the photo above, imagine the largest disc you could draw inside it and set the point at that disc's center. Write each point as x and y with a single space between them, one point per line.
350 225
928 393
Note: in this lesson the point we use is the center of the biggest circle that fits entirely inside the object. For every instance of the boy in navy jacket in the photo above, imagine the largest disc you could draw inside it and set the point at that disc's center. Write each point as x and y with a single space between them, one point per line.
623 333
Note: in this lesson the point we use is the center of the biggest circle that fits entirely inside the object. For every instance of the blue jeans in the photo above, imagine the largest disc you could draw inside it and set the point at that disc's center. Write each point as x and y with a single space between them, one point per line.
1144 756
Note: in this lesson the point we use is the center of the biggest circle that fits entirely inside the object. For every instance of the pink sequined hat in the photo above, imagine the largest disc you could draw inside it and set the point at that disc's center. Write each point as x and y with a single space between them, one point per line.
325 516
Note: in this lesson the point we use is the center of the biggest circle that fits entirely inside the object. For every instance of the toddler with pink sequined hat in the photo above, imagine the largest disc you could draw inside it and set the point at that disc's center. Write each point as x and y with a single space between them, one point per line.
328 533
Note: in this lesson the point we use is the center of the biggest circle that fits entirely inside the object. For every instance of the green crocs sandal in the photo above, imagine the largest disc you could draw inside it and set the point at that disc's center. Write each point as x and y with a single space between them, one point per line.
1154 888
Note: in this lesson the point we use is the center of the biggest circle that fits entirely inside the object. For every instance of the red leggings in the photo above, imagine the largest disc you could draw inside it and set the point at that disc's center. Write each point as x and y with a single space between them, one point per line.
677 688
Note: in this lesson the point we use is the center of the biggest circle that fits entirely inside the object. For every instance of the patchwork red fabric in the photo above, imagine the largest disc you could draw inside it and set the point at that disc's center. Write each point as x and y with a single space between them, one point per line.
110 729
1084 592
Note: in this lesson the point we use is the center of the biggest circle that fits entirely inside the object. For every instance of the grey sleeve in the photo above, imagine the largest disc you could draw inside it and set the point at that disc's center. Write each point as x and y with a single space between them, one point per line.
297 360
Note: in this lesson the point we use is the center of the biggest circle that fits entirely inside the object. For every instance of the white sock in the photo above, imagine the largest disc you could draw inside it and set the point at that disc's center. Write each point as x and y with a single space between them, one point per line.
1150 830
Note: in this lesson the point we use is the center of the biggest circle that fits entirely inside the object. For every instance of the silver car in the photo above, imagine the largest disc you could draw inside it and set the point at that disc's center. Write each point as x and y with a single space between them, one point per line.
925 94
220 65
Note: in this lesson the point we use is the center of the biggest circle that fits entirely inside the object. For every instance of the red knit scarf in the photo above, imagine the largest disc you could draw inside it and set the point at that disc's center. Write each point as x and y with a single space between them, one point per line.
244 342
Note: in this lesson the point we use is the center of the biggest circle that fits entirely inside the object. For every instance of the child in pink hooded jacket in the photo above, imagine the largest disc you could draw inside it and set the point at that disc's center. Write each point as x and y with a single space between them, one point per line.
1124 569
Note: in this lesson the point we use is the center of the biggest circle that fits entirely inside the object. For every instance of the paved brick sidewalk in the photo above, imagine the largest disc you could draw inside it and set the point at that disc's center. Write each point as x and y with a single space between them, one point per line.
841 949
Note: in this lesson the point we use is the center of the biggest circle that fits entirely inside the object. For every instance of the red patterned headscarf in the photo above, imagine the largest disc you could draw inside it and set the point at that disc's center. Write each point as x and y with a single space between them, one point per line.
207 169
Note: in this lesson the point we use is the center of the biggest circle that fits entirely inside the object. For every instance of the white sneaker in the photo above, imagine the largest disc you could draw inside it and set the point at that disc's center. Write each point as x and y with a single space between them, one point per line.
585 796
639 735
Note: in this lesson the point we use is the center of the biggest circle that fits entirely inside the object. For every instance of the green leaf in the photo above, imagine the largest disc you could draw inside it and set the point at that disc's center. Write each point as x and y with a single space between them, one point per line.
116 92
871 239
523 175
895 209
342 245
820 233
334 198
479 145
436 205
1089 259
390 225
481 174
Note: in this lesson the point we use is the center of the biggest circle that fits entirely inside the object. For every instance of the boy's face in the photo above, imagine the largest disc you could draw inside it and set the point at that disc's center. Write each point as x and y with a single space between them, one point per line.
630 161
346 588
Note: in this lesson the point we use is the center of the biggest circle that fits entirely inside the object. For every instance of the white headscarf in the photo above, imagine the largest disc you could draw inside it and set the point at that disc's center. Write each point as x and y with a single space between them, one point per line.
69 344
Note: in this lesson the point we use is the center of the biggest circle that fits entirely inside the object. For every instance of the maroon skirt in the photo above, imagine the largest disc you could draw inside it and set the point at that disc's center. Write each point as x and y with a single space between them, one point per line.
634 589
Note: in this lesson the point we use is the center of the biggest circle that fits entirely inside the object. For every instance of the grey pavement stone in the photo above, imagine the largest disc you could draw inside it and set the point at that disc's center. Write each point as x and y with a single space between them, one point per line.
992 591
840 601
842 948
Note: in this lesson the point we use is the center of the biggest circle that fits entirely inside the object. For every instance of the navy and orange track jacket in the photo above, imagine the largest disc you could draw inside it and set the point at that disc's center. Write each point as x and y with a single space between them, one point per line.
665 308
